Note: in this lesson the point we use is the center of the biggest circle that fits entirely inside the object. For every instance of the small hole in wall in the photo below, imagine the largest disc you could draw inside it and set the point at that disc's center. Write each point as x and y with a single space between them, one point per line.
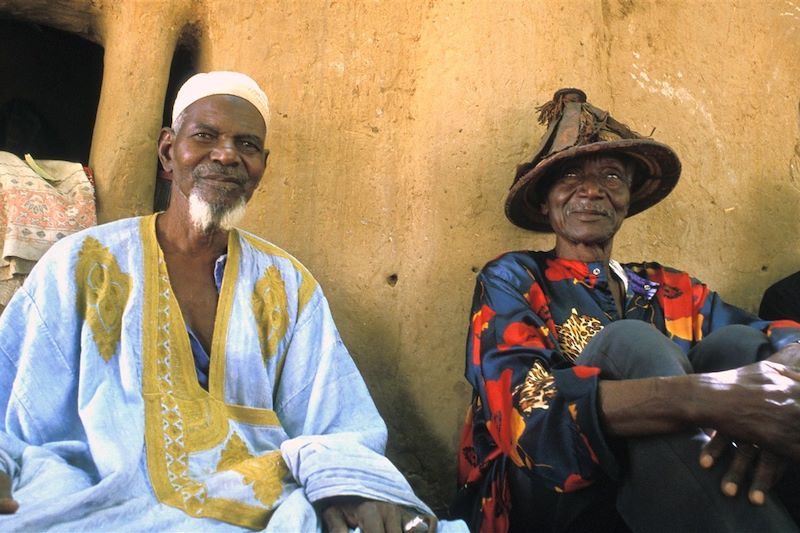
391 280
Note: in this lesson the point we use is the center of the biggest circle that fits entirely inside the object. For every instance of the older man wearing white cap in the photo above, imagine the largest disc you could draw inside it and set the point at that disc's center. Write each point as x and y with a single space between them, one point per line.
171 372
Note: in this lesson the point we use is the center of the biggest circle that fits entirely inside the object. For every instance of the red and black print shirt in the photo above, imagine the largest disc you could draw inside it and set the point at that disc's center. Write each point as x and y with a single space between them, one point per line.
532 315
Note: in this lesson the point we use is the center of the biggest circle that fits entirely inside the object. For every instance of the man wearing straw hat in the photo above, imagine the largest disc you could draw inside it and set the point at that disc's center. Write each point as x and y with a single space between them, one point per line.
618 397
174 373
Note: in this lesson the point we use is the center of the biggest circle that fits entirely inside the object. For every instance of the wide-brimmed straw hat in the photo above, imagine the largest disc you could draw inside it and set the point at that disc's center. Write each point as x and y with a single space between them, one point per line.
576 128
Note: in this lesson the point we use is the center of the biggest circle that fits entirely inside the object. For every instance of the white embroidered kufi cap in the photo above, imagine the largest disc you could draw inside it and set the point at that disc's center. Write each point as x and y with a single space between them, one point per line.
221 82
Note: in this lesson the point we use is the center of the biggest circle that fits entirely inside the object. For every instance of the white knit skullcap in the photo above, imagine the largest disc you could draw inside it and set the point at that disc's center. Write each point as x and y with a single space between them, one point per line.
221 82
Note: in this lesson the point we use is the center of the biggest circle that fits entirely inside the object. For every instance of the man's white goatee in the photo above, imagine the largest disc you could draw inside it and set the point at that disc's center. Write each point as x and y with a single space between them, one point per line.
206 216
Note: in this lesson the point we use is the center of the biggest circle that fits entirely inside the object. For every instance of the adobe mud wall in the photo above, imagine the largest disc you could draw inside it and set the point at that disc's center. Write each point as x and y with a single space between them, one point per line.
396 130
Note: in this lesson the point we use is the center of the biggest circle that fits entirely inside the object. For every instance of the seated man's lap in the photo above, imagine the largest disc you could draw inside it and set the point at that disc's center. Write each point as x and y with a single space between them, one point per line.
536 507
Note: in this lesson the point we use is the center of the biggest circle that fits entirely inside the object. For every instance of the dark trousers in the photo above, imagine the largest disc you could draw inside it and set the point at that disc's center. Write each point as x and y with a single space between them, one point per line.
663 487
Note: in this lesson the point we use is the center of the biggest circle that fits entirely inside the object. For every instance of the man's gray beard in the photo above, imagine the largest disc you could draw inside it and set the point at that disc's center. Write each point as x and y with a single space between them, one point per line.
206 216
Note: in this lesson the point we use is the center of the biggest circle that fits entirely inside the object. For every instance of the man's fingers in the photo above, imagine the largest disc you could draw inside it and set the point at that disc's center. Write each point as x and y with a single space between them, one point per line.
7 503
737 471
768 472
713 450
414 522
790 373
392 517
370 517
374 517
366 515
8 506
334 520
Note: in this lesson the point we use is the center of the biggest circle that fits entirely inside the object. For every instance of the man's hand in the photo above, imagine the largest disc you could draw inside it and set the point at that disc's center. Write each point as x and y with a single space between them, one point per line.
766 472
7 504
781 377
789 355
342 513
758 403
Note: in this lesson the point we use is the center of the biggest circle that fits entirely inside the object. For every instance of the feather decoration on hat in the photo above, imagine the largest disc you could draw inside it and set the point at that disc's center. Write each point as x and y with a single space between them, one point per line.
553 109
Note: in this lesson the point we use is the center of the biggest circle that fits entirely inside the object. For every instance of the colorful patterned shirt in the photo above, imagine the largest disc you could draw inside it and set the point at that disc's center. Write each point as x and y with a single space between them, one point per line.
532 315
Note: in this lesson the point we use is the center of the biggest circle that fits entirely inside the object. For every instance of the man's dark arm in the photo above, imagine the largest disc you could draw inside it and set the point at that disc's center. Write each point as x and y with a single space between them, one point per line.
758 404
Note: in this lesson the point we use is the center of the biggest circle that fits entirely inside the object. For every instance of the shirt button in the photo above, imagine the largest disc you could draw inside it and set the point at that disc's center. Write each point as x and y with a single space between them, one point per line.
647 287
596 271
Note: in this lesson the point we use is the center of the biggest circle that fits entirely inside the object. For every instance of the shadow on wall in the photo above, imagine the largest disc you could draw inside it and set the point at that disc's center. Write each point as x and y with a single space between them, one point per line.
776 211
411 446
50 91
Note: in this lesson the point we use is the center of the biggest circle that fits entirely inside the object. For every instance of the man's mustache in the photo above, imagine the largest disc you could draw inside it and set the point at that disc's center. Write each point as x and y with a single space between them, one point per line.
206 170
588 207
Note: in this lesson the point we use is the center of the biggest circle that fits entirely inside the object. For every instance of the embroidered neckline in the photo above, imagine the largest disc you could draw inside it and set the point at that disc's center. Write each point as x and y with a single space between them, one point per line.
183 422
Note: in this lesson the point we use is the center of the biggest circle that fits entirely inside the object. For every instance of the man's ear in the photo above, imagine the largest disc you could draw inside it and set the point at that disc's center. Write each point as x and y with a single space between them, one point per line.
266 156
165 140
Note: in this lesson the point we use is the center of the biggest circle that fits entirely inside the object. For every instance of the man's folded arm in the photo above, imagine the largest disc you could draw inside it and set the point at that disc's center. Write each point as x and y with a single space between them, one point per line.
766 395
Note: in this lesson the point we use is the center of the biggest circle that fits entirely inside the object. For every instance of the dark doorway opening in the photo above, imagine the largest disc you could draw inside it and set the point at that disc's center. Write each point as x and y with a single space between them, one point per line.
50 91
182 68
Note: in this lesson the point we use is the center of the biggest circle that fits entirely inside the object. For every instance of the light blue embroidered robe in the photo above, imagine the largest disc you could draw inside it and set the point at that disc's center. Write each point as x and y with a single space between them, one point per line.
106 428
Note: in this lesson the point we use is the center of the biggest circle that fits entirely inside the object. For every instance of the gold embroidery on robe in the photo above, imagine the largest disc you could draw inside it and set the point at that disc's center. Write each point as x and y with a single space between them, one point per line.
187 493
307 283
306 291
185 425
576 332
270 306
264 473
103 291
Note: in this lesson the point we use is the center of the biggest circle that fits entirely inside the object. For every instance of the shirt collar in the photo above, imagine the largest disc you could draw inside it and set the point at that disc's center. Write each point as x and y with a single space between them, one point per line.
588 273
643 286
617 269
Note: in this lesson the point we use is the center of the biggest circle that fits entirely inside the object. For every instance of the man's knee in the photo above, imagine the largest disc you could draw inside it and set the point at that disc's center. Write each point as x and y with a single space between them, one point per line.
628 349
730 347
